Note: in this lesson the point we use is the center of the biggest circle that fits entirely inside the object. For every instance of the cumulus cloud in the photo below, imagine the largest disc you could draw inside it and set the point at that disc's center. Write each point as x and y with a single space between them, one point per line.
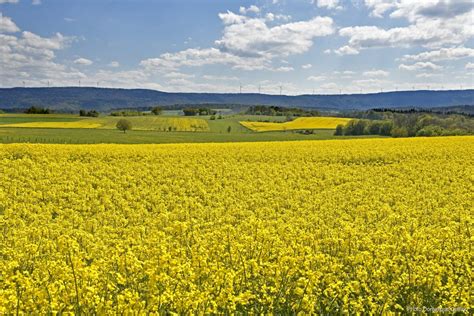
7 25
284 69
329 86
248 44
427 75
451 53
29 57
83 62
420 66
219 78
346 50
178 75
374 84
272 17
254 38
251 9
379 7
307 66
36 2
114 64
195 57
8 1
329 4
376 73
316 78
469 66
434 24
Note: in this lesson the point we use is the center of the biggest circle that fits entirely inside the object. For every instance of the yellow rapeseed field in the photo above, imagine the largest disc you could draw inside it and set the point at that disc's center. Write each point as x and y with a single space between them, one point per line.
364 226
144 123
297 124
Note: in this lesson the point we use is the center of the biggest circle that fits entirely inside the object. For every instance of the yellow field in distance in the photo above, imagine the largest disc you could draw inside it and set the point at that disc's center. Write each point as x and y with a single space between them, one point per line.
297 124
145 123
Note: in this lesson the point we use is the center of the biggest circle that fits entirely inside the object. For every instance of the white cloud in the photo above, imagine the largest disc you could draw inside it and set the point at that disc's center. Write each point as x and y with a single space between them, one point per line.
83 61
195 57
219 78
272 17
327 51
427 75
371 83
251 9
232 18
284 69
376 73
329 86
36 2
114 64
29 57
433 23
420 66
248 44
253 38
379 7
451 53
307 66
7 25
346 50
178 75
329 4
8 1
469 66
69 19
125 79
316 78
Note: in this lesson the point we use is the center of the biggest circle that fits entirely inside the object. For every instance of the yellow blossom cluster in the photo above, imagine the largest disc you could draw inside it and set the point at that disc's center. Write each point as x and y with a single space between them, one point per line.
296 124
143 123
313 227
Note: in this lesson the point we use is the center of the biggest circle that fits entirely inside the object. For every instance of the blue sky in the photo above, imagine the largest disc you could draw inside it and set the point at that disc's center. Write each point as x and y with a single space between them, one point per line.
304 46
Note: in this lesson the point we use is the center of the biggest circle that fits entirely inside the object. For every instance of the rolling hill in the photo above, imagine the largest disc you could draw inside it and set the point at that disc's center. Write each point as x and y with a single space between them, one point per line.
105 99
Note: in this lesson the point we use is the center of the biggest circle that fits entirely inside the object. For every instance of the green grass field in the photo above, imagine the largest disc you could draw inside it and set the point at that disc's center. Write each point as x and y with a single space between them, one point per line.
217 131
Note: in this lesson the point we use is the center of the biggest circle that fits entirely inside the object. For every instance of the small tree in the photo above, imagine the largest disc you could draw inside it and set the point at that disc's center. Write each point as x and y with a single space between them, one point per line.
229 129
339 130
156 110
124 125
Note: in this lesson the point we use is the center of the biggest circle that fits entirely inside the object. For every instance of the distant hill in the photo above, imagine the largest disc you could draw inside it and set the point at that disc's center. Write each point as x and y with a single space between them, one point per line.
105 99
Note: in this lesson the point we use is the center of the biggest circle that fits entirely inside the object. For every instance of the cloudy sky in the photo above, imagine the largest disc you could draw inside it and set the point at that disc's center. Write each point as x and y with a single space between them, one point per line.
300 46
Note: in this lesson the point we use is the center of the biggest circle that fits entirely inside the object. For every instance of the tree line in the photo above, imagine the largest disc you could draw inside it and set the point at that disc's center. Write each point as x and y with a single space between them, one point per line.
409 124
280 111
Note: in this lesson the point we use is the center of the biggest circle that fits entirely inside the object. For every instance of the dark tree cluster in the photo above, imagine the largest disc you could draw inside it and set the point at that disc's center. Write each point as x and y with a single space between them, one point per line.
156 110
92 113
280 111
37 110
127 113
198 111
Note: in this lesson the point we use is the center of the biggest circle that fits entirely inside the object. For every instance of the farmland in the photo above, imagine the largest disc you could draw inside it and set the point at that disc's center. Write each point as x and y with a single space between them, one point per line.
349 226
141 123
296 124
72 129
